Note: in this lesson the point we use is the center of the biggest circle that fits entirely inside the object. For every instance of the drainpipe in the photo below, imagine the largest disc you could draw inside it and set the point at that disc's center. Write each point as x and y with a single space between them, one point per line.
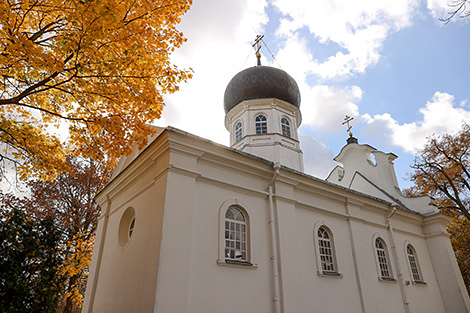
274 244
397 262
354 255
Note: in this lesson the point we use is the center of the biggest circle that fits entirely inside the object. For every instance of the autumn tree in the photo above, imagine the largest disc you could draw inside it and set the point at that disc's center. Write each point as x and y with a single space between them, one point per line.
29 263
442 171
69 200
100 67
459 230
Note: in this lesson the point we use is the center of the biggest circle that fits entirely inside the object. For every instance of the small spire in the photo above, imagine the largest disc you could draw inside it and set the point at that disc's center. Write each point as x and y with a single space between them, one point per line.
258 47
352 140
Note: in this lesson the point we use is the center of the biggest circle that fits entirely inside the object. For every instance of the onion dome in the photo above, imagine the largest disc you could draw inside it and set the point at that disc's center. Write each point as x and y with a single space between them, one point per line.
261 82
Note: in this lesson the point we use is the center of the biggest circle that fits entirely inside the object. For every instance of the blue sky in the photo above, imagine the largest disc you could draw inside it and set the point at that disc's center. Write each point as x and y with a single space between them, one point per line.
391 64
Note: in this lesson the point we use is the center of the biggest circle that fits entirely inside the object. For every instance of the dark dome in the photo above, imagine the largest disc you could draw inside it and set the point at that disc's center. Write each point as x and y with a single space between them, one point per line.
261 82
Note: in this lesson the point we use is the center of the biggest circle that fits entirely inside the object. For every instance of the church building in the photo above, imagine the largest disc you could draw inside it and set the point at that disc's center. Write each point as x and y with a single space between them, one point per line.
191 226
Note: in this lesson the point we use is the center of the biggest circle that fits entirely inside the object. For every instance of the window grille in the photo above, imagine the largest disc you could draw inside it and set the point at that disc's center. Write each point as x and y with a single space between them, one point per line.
261 124
415 270
235 235
325 247
238 131
285 125
382 256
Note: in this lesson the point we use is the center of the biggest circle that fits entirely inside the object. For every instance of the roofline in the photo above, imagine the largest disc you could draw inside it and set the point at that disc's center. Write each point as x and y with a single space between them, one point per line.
262 160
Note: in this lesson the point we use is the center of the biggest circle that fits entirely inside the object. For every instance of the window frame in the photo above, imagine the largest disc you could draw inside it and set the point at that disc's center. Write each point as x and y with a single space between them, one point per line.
285 127
382 259
318 248
222 260
238 131
235 234
416 270
261 126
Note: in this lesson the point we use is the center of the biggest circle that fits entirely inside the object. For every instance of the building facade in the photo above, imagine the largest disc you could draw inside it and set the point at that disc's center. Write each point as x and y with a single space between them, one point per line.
188 225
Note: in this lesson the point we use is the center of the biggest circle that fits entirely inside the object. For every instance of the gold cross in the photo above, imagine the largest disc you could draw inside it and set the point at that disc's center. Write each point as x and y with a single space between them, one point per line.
348 119
258 45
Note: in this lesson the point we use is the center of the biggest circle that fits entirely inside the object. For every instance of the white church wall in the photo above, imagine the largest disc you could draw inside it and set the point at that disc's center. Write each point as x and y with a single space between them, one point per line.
125 279
303 288
447 273
366 220
180 189
194 282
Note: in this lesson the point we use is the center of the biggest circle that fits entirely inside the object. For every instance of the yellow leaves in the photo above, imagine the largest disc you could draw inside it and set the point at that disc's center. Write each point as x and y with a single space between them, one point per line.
442 171
75 266
459 229
102 66
28 142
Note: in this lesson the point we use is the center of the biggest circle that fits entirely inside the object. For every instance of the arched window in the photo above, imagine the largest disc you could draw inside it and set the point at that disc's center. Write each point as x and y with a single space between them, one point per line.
383 260
285 126
261 124
414 265
235 235
238 131
326 251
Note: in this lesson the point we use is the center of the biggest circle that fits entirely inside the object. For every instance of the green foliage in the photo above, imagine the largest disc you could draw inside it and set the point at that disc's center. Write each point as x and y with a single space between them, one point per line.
29 263
69 201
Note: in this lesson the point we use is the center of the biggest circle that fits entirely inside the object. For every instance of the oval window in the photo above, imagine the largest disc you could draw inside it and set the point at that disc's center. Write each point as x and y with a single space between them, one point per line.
126 226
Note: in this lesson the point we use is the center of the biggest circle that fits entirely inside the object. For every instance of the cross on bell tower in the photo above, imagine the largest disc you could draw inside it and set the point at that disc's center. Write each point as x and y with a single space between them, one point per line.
257 44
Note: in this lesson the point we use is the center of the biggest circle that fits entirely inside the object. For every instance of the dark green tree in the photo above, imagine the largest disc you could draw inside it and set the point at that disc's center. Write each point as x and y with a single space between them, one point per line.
69 201
29 263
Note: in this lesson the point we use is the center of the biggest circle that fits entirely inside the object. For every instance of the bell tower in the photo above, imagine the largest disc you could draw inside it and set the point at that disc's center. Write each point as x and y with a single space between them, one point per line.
262 114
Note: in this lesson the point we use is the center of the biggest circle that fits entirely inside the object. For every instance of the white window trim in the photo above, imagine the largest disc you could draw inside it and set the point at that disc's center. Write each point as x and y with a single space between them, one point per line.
289 126
405 247
267 120
391 278
221 253
235 131
316 246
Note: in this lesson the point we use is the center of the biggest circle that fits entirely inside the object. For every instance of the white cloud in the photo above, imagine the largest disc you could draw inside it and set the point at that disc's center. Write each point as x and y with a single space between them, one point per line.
438 8
296 58
324 107
441 8
439 116
359 27
219 39
220 35
318 158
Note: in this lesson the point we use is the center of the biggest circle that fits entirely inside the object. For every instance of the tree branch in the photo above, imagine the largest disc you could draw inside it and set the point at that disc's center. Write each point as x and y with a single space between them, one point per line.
29 90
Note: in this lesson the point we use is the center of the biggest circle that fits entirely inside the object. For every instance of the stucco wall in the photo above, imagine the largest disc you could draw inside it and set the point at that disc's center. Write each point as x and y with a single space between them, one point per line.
173 261
124 280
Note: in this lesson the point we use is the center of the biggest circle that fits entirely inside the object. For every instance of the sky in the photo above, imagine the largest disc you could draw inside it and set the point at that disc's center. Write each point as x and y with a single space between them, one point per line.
391 64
